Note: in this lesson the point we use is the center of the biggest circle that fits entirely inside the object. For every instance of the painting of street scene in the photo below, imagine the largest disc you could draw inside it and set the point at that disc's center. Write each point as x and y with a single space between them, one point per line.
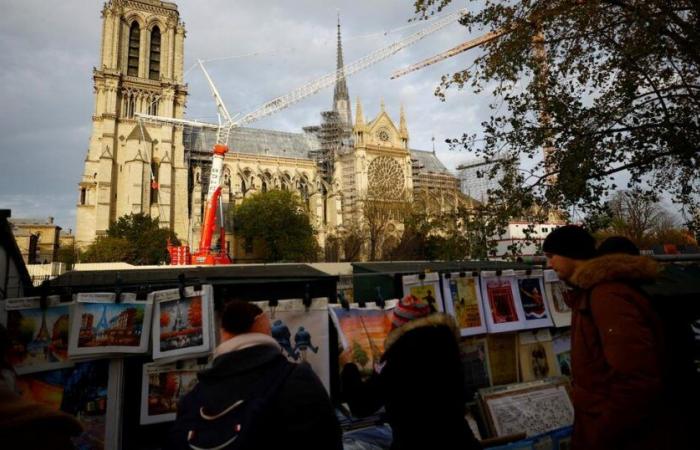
38 338
165 389
80 391
111 324
181 323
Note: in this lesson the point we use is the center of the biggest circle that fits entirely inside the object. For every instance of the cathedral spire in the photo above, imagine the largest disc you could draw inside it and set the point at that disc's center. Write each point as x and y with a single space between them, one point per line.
341 98
403 128
359 115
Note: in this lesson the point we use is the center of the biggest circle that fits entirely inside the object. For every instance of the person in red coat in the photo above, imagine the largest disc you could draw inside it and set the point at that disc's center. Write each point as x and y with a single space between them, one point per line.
617 346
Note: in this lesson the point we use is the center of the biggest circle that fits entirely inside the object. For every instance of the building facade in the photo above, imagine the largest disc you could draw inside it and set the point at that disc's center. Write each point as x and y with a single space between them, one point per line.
164 170
38 239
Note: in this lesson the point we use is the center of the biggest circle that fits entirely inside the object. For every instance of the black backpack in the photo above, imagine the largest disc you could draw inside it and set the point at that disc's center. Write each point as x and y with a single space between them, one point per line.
239 425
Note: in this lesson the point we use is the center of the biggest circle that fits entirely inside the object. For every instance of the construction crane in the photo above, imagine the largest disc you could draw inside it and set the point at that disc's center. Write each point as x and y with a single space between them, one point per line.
206 254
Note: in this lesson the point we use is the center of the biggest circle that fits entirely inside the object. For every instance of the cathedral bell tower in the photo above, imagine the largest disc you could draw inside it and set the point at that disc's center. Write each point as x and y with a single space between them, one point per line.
129 167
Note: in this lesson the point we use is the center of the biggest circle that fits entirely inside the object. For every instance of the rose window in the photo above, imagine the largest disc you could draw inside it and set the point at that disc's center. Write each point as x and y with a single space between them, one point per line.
385 178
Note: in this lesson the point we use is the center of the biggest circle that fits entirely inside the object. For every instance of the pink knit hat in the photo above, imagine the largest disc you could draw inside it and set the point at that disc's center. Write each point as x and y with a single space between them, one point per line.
407 309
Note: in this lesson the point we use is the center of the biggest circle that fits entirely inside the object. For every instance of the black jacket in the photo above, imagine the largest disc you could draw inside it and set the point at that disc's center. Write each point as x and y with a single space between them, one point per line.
421 386
301 415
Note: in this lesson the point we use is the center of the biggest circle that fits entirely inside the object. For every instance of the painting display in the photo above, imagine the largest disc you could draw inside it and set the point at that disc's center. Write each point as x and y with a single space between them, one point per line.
426 290
362 332
463 302
100 326
532 299
84 392
536 355
162 387
183 326
38 337
501 301
530 408
556 292
302 332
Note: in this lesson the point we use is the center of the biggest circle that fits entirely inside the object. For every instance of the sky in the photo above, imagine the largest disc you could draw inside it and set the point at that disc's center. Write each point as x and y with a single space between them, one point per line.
258 51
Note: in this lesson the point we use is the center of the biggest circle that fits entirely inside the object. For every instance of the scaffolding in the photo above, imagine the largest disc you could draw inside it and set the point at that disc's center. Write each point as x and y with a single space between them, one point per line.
477 177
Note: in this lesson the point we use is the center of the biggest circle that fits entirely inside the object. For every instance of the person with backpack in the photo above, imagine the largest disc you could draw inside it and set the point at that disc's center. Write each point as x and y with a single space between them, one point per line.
253 397
419 380
617 347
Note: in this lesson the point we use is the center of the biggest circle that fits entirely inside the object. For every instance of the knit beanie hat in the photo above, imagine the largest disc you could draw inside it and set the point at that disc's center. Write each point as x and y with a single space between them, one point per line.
407 309
570 241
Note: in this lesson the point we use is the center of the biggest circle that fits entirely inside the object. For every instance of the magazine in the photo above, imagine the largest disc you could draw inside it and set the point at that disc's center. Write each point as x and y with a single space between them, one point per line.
183 326
99 326
38 337
463 302
426 290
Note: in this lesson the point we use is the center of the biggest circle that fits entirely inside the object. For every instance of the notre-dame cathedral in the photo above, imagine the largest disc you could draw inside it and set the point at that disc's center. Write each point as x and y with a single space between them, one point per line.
162 170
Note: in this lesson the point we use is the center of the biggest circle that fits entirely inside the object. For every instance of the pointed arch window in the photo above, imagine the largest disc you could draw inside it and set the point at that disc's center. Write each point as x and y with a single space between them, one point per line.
154 61
154 183
134 45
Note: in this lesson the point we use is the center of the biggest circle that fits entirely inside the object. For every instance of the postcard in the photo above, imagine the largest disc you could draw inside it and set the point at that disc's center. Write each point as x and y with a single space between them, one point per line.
38 337
162 387
183 326
463 302
100 326
532 299
501 309
426 290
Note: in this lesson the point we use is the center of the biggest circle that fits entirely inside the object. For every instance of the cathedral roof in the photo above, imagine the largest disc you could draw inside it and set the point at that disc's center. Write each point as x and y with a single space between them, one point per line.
256 141
428 162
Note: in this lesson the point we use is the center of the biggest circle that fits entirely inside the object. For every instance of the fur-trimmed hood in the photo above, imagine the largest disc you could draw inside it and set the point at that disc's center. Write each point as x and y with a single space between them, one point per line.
432 320
616 267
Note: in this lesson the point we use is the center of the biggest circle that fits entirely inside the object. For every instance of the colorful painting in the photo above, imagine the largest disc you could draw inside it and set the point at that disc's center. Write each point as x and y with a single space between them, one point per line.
362 332
463 302
38 337
164 386
183 325
500 297
425 289
107 325
532 300
80 391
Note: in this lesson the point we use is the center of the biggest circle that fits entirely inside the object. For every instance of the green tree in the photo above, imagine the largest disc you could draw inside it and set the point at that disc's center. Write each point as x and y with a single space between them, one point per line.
68 255
277 222
135 238
611 86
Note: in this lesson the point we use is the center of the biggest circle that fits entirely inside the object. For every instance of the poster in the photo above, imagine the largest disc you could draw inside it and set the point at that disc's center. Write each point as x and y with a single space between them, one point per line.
302 332
501 310
84 392
532 299
556 292
426 290
183 326
561 344
536 355
162 387
100 326
463 302
475 359
362 332
532 410
38 338
503 358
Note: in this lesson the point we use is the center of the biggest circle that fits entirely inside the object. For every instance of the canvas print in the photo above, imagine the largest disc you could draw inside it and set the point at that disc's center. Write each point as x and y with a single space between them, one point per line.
532 300
362 332
500 302
38 337
426 290
463 301
80 391
536 355
302 332
163 386
183 326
